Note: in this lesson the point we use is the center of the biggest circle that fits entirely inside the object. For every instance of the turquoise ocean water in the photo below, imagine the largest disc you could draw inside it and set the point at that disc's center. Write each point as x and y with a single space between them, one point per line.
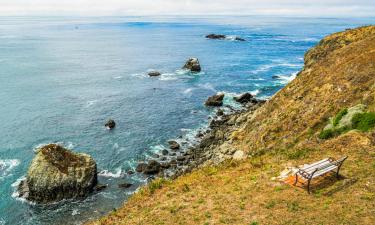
61 78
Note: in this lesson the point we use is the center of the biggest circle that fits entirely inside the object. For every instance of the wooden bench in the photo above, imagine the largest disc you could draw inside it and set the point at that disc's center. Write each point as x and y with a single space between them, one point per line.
318 169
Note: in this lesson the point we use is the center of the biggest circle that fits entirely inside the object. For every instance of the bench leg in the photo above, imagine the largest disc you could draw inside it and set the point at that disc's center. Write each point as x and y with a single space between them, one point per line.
338 168
308 186
296 180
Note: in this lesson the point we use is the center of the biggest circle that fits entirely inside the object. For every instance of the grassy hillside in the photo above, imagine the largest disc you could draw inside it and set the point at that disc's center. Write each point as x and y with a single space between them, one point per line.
339 73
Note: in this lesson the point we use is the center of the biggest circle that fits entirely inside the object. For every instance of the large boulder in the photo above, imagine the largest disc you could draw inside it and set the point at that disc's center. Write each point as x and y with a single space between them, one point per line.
216 100
193 65
245 98
174 145
153 167
57 173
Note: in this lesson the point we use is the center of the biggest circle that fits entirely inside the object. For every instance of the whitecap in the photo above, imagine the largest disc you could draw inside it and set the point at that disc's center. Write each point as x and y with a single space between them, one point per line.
284 79
6 167
75 212
267 67
188 91
91 102
260 79
139 75
207 86
107 173
255 92
168 76
117 77
185 129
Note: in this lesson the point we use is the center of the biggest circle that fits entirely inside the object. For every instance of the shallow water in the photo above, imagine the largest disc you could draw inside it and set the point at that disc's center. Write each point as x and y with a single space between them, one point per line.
62 78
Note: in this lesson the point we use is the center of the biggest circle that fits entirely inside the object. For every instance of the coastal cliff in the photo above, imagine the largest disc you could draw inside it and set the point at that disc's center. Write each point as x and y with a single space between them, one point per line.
339 73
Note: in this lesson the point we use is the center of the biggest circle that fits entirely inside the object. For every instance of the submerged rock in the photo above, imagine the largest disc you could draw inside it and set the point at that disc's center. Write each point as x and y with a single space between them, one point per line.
154 73
193 65
164 152
245 98
100 187
174 145
239 39
57 173
125 185
216 100
110 124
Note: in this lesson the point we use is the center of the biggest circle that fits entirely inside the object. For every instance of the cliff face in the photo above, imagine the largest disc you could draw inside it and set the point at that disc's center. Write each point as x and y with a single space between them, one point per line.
339 73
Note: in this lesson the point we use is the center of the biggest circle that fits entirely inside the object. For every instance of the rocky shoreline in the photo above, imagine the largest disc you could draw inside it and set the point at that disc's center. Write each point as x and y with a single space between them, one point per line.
182 158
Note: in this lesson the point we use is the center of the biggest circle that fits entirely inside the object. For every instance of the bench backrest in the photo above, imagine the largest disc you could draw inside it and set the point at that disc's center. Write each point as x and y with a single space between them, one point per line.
323 165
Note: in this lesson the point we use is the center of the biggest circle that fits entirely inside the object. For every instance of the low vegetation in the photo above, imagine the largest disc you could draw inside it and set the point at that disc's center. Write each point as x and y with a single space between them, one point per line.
364 121
360 121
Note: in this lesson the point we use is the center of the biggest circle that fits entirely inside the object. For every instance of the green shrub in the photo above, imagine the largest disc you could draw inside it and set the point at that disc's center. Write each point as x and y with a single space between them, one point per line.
363 121
329 133
339 116
326 134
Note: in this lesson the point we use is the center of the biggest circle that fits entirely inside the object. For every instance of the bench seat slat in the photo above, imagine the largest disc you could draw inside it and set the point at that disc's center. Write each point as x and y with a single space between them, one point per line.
323 171
315 164
318 166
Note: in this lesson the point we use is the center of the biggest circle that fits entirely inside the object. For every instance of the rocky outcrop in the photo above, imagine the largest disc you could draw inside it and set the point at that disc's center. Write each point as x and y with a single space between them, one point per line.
245 98
110 124
215 100
224 37
57 173
193 65
154 73
151 167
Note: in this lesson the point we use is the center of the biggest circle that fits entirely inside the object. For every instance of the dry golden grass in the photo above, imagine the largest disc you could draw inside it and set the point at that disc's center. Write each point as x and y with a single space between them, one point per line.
243 192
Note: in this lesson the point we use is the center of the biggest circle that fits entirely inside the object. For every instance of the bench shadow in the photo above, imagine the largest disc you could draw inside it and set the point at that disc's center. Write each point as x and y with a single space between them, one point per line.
323 182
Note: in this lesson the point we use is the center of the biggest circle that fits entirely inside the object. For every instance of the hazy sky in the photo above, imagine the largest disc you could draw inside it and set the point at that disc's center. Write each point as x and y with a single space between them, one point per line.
350 8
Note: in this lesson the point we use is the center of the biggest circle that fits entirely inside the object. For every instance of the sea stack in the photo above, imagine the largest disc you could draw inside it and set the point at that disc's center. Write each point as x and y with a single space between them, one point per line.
215 100
193 65
57 173
110 124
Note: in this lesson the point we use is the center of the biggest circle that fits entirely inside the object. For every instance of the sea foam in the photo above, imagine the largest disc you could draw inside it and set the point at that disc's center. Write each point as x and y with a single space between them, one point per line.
106 173
6 167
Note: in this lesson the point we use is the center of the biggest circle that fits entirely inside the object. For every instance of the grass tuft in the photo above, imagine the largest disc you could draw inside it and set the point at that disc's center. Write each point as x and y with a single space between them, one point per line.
155 185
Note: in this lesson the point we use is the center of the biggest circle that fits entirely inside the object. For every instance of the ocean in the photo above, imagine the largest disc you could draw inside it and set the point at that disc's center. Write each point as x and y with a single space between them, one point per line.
62 78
